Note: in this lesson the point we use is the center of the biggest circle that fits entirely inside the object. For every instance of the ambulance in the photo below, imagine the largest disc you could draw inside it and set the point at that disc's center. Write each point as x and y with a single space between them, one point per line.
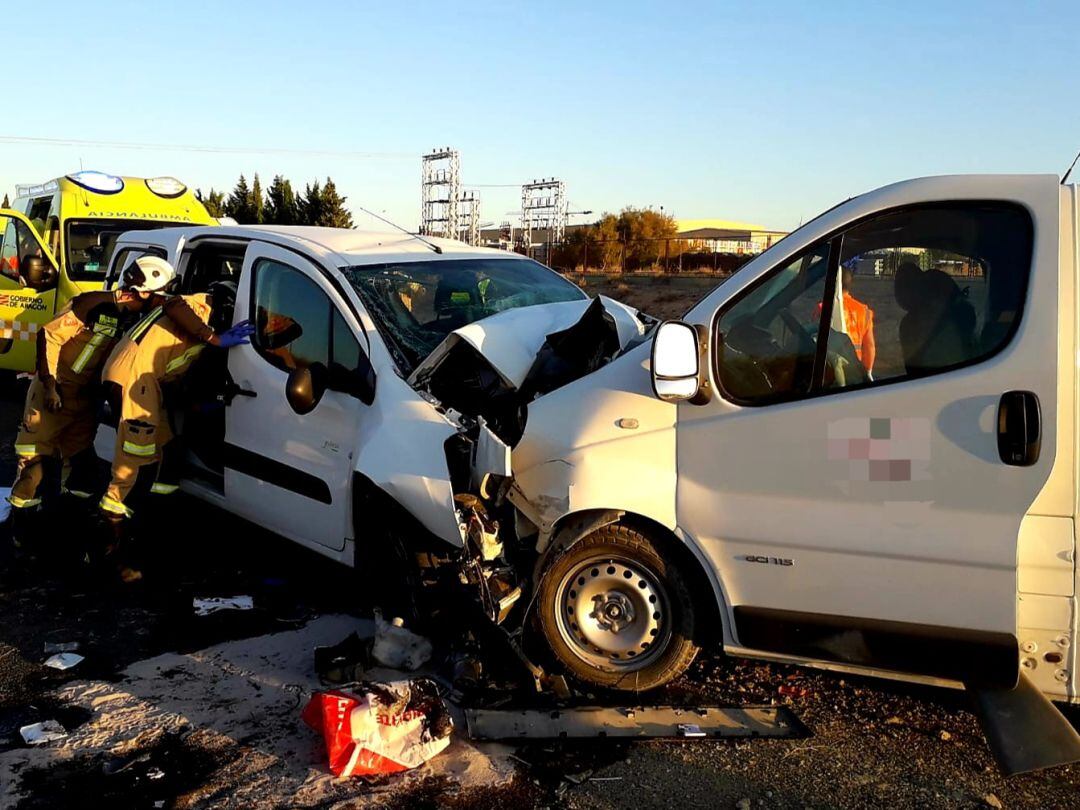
58 238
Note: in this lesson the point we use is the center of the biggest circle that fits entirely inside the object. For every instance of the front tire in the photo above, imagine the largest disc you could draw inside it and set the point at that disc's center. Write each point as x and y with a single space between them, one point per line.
617 614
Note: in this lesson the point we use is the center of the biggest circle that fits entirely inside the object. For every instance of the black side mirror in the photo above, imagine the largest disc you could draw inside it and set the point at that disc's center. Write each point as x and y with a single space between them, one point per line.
306 386
37 273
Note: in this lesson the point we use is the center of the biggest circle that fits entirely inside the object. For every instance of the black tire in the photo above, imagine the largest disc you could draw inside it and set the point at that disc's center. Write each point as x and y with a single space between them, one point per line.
614 588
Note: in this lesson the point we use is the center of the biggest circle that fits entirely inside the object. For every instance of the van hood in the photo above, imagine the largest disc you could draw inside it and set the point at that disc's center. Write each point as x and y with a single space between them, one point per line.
492 368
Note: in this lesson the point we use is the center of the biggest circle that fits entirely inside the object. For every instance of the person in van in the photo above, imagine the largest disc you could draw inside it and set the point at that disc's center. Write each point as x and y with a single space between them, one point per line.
858 319
59 419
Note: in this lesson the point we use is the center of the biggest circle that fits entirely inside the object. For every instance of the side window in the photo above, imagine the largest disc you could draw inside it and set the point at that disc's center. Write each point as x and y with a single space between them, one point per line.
906 294
927 289
292 317
17 245
350 371
767 341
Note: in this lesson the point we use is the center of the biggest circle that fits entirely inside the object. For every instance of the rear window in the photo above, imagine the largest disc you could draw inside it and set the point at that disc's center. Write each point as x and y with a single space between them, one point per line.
89 244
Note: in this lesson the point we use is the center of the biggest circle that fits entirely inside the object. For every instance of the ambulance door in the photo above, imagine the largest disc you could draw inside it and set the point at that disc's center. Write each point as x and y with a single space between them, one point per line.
286 470
24 309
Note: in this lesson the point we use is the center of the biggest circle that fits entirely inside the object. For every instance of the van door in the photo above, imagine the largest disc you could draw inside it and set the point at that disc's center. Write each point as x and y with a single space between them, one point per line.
23 310
885 417
288 472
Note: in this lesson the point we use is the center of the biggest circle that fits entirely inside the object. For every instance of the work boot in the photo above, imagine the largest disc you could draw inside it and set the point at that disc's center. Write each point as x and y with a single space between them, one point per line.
26 528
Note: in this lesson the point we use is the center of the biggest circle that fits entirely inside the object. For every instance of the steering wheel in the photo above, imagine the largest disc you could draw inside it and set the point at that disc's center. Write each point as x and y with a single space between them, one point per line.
807 348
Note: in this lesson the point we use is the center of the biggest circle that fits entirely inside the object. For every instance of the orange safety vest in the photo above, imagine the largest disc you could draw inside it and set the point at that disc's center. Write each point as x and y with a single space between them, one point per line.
858 322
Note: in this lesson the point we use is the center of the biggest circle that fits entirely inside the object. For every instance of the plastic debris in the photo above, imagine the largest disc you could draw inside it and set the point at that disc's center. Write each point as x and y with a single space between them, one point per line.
344 661
386 728
398 647
212 604
63 660
42 733
52 647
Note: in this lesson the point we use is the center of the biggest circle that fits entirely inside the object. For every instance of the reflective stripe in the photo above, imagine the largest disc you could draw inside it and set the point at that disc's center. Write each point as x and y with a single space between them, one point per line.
139 329
140 449
88 352
26 450
23 503
115 507
182 360
164 489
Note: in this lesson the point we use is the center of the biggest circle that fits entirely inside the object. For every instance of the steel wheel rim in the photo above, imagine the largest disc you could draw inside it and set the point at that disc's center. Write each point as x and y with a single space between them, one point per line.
613 613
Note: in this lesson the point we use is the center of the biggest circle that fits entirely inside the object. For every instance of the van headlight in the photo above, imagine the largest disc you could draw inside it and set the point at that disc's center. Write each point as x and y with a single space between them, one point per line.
166 186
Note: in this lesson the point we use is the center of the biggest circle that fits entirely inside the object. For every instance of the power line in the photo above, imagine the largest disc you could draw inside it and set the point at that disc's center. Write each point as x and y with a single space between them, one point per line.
223 150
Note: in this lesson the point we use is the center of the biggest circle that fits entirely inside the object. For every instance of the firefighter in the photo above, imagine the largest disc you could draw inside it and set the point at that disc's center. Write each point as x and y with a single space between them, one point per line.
156 351
59 420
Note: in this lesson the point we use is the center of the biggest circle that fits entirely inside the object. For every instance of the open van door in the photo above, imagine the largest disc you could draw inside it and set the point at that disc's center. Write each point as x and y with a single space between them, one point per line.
28 280
884 417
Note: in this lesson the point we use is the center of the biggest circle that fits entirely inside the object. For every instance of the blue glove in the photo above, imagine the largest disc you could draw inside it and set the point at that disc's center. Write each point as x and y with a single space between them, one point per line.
237 336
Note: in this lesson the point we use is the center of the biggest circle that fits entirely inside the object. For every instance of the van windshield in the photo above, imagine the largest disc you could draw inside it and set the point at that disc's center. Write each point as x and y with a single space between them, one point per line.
417 304
89 243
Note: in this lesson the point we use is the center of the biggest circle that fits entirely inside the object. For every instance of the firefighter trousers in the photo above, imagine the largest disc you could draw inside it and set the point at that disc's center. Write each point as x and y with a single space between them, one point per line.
67 435
141 462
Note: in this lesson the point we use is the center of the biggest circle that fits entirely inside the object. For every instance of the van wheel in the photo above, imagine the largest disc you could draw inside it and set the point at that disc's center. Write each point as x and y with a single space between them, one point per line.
616 614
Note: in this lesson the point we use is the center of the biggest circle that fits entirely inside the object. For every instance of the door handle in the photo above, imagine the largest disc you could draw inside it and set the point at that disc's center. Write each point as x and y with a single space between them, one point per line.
232 391
1019 430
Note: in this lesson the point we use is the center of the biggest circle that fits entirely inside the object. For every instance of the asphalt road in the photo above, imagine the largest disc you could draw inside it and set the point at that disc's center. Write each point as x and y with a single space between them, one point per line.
867 743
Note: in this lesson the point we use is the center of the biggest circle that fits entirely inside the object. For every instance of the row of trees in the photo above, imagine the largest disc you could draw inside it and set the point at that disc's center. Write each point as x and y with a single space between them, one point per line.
633 239
279 204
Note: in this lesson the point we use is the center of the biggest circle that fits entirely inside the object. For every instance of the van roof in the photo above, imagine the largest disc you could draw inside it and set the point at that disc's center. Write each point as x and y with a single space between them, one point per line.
339 246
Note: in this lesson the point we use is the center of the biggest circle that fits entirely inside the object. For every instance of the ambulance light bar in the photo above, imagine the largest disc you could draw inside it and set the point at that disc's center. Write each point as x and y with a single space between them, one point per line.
97 181
167 187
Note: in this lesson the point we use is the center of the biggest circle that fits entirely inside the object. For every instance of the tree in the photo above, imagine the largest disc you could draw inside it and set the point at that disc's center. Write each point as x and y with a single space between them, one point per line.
281 203
311 204
6 203
256 201
239 205
214 202
334 214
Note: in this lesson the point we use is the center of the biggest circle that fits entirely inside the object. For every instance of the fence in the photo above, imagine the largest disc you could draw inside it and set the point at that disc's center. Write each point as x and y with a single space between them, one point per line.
674 256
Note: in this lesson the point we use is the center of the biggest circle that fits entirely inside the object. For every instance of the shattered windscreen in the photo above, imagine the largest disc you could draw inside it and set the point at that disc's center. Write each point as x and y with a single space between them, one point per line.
417 304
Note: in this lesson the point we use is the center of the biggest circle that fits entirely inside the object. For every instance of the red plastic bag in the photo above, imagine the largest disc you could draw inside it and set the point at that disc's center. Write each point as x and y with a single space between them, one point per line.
388 728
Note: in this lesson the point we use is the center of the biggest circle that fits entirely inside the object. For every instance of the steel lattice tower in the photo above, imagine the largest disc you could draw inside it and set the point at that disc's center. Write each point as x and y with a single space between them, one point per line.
469 217
440 191
543 205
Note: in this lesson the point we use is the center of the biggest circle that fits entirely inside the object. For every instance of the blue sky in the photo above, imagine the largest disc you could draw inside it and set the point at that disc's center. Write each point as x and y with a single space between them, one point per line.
762 113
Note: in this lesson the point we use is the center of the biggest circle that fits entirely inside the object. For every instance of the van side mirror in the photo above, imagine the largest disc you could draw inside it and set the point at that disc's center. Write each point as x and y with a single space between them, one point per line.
306 386
37 273
677 363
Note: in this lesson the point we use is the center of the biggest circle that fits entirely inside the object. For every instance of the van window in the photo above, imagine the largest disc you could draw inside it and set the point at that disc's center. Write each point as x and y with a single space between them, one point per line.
292 317
16 243
906 294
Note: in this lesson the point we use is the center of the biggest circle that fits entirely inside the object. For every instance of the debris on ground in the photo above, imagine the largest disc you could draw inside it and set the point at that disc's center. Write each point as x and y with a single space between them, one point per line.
63 661
212 604
386 728
52 647
41 733
343 662
398 647
586 722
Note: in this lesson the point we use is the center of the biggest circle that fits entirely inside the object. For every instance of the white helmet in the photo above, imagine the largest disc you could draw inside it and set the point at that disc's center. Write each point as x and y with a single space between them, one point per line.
147 274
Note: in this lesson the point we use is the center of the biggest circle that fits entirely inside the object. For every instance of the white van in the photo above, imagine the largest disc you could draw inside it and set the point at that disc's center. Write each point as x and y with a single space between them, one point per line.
754 476
909 512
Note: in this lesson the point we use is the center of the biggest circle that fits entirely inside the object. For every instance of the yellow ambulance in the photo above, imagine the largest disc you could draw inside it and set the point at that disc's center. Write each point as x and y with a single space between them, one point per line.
57 239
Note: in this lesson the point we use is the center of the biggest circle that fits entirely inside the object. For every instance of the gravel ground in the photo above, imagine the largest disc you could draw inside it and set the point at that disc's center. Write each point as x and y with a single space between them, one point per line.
867 743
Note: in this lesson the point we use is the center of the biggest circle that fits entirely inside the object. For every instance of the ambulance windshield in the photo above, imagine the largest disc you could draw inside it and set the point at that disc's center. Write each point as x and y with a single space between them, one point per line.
89 243
417 304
